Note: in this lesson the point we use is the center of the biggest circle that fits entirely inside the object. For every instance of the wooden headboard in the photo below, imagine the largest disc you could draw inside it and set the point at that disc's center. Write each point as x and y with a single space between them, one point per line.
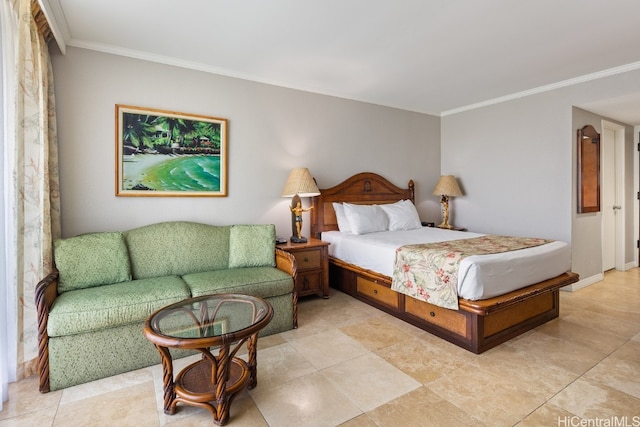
365 188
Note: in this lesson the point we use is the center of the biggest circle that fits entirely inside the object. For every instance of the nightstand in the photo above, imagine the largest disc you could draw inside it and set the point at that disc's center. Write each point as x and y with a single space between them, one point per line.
454 228
313 266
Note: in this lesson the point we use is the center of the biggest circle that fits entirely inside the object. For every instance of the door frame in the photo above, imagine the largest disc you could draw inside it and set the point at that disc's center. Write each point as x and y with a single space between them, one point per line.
636 191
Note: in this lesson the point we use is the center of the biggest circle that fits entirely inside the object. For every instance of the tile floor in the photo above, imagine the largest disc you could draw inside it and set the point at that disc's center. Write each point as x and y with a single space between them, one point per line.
351 365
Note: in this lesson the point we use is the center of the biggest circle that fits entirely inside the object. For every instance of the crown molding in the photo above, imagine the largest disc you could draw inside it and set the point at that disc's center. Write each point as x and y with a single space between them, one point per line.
565 83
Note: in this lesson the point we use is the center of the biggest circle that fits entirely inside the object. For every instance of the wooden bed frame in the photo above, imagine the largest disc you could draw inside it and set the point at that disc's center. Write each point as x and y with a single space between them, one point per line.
477 325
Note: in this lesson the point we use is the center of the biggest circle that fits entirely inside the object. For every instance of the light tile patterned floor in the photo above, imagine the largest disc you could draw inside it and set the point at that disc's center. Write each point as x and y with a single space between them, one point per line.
351 365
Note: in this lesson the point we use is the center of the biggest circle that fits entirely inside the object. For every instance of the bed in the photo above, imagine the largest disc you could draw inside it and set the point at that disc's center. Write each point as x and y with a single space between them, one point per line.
477 324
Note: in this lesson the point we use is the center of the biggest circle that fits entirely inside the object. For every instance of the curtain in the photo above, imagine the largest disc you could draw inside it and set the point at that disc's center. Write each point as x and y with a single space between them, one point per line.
31 204
8 299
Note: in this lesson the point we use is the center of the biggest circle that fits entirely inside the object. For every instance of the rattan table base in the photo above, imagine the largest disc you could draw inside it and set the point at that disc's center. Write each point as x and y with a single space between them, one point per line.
196 385
222 322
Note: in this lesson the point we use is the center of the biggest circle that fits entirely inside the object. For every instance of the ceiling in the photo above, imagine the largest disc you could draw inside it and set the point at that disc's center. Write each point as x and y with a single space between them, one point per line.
431 56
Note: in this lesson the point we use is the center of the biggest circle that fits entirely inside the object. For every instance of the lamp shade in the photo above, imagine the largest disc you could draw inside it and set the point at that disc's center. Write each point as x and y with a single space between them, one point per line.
447 186
300 182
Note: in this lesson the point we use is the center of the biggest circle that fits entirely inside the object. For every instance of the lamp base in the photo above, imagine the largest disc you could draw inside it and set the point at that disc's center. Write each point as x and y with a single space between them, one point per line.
444 201
296 220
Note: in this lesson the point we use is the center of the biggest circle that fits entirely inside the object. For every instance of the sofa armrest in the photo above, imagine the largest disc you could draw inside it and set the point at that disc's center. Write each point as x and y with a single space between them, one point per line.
286 262
45 294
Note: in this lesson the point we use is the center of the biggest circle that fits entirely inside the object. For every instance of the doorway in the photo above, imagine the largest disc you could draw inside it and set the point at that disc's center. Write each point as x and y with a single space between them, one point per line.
612 194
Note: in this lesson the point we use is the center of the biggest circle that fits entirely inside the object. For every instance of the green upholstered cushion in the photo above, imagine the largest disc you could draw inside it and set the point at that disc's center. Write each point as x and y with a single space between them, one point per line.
108 306
252 246
77 359
177 248
91 260
263 282
282 315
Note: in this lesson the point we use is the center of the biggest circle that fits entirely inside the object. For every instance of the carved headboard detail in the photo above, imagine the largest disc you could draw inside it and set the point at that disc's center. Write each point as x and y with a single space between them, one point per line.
365 188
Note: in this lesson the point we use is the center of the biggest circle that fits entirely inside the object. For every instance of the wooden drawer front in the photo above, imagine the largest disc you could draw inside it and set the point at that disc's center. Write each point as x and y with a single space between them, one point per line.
378 292
503 319
309 282
450 320
308 259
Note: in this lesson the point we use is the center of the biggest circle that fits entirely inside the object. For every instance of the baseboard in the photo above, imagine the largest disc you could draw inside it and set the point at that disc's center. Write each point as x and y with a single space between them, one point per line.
583 283
594 279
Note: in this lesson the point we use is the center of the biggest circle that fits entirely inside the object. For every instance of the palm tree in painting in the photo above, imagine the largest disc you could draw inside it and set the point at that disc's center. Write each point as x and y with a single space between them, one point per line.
168 134
135 131
211 131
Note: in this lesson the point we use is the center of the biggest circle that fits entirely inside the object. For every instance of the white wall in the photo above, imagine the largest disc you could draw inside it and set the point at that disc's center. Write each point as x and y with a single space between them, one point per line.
517 163
271 131
514 170
515 160
587 234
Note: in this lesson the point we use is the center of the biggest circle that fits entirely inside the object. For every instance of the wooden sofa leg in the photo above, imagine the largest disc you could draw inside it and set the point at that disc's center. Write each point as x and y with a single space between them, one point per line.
295 309
43 365
45 293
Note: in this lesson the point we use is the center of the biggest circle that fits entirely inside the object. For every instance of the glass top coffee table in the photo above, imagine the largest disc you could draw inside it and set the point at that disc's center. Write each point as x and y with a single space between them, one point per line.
204 324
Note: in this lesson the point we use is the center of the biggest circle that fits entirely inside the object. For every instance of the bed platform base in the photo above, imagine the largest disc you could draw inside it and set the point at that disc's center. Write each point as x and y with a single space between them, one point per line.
476 326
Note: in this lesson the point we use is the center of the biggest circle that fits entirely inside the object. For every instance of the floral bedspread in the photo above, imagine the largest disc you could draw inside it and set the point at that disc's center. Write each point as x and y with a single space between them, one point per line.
429 271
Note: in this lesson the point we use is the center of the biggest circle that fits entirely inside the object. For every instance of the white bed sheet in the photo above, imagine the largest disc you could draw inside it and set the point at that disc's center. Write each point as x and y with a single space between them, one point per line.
479 277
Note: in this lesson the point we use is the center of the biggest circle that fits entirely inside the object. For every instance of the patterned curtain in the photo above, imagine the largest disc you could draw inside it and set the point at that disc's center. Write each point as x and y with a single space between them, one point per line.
34 207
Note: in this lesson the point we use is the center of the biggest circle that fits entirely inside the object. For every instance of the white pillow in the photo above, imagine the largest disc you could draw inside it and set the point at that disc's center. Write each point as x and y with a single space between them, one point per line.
341 217
365 219
402 215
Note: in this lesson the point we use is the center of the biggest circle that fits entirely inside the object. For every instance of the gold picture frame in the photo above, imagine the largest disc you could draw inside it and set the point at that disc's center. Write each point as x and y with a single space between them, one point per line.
162 153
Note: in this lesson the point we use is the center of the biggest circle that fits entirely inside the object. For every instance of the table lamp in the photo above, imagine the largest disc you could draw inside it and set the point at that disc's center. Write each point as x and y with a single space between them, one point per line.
299 184
446 187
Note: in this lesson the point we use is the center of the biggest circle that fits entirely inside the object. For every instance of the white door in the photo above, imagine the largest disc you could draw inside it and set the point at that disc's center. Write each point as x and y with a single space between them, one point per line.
612 190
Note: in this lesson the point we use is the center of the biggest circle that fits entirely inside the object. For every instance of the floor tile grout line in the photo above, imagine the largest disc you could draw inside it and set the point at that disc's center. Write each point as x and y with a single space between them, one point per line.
548 401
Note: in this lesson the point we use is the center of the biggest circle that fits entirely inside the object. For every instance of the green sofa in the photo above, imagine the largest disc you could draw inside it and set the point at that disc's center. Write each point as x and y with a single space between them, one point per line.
92 306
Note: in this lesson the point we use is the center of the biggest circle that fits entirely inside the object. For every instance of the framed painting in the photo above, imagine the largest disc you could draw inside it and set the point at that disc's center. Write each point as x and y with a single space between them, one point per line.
165 153
588 170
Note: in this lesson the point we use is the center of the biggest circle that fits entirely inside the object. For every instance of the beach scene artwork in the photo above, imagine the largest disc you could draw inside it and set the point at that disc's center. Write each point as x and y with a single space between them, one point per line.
164 153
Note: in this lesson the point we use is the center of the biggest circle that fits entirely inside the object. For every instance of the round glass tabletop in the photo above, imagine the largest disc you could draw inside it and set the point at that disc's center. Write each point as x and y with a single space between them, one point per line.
221 317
